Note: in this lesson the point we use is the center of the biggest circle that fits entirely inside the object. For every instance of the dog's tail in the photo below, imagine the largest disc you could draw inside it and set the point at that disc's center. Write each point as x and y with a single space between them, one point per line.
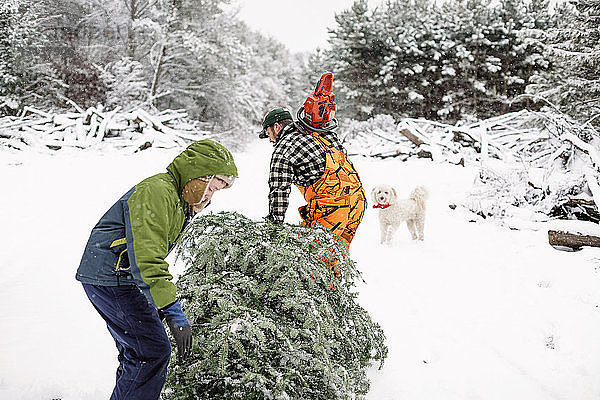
419 195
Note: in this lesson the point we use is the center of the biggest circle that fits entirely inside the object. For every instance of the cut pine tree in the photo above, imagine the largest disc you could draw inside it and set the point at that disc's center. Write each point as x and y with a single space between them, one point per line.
269 319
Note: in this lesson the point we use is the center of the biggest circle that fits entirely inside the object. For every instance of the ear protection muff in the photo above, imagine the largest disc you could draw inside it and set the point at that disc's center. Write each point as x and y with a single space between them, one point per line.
194 190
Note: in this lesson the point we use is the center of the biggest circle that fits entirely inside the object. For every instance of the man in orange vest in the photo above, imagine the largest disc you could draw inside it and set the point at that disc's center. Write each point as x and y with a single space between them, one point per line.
309 154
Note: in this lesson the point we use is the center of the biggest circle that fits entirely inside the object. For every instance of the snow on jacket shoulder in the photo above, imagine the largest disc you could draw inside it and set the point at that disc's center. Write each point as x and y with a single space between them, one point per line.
131 241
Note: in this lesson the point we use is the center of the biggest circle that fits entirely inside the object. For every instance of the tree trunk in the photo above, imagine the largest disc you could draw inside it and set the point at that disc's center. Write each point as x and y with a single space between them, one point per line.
157 72
572 240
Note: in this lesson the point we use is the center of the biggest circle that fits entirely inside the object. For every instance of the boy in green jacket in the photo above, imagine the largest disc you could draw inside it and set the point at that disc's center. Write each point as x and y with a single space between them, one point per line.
124 272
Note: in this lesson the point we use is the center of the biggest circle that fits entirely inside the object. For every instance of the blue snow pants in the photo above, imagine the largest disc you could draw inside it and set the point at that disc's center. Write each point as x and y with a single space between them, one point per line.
144 348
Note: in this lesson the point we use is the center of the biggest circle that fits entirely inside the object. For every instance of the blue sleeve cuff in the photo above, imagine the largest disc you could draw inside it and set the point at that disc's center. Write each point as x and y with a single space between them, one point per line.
175 314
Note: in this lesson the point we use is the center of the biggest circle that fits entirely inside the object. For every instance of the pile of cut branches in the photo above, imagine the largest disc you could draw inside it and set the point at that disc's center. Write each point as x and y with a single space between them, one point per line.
95 127
547 172
533 166
536 138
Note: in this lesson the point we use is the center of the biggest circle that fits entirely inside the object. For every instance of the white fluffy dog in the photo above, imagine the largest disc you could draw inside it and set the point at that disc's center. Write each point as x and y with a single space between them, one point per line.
394 211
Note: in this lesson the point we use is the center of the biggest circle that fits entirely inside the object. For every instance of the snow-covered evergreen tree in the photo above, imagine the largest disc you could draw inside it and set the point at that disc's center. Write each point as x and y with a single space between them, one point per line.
357 53
318 62
537 18
493 62
574 47
126 83
270 319
20 36
413 58
520 58
71 32
451 61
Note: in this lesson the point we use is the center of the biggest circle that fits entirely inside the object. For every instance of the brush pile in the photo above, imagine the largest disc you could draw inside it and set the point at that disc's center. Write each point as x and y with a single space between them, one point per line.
536 138
534 167
96 128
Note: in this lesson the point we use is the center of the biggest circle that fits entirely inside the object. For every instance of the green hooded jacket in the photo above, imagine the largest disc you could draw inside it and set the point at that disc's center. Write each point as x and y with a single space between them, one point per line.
131 241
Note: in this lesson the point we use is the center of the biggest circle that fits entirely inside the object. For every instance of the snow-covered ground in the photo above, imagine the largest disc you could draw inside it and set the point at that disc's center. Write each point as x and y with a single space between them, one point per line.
476 311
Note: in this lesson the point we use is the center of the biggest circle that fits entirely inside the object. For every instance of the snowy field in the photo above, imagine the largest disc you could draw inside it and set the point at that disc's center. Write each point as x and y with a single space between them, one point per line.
476 311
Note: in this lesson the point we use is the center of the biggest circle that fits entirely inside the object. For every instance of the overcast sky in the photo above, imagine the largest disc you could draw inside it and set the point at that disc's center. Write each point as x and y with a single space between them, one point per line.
299 24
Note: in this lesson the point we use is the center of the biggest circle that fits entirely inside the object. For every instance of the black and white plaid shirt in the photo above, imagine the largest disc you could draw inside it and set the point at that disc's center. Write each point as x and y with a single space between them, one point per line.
299 159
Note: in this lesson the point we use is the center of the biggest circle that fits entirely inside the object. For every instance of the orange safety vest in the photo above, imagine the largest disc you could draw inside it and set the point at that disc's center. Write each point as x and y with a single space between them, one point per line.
337 200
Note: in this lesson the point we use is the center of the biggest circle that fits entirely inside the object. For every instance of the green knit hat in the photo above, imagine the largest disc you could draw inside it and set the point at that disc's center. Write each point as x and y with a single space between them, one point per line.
271 117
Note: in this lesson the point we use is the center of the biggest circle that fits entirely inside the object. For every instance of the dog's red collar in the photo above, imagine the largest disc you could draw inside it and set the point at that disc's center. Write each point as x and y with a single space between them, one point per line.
381 206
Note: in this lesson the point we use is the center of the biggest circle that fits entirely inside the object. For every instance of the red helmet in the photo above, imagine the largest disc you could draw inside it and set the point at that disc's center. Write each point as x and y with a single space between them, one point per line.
319 107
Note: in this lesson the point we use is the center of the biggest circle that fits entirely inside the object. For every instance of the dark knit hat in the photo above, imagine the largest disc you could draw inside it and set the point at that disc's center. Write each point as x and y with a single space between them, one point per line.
271 117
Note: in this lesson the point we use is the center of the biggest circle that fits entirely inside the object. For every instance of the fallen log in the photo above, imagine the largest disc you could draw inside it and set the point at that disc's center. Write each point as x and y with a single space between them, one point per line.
572 240
30 110
24 121
410 136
